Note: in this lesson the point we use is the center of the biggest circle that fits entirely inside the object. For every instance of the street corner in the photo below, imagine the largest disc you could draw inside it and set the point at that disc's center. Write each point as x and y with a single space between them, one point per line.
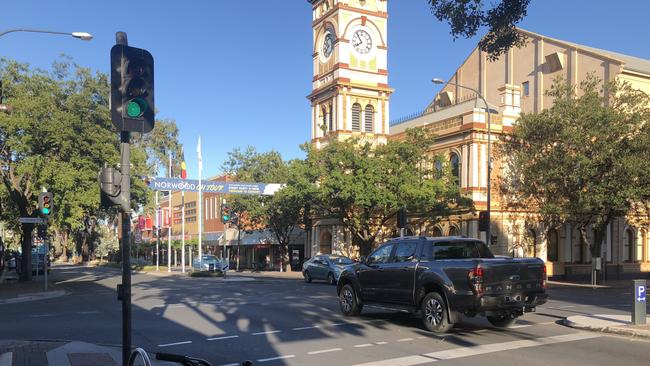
609 323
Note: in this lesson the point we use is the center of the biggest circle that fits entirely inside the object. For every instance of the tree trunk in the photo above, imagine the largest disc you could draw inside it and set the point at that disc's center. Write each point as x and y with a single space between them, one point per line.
84 247
26 257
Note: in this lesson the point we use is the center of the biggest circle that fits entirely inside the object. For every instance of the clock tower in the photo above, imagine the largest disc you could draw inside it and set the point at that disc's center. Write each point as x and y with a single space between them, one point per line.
350 91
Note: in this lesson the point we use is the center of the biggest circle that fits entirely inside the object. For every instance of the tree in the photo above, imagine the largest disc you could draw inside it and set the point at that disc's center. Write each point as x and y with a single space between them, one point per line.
363 186
466 17
584 160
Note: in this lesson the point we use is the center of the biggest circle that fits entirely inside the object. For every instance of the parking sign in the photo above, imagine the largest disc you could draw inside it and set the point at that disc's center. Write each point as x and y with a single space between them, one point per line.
640 293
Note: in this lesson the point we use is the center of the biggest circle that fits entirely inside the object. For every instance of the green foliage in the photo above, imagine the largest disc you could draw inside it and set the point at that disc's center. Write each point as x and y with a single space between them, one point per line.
584 160
106 243
363 185
466 17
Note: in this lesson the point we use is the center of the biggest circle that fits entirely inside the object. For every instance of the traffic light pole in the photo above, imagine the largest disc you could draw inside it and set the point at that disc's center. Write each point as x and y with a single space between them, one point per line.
125 185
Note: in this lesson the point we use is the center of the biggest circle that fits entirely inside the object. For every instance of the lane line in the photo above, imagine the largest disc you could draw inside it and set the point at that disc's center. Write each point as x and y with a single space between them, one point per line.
380 343
174 344
223 337
303 328
41 315
88 312
267 332
462 352
231 364
324 351
405 339
275 358
363 345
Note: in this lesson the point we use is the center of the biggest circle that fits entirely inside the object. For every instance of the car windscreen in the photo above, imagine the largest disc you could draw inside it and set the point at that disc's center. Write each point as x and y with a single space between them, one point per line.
208 258
458 250
341 260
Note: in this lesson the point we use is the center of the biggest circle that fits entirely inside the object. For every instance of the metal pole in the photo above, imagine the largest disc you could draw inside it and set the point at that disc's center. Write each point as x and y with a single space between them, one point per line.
125 167
489 175
157 234
238 244
126 250
200 206
183 231
171 221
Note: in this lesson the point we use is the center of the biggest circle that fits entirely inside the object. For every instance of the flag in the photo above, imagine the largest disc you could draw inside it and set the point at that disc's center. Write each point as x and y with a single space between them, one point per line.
198 154
183 166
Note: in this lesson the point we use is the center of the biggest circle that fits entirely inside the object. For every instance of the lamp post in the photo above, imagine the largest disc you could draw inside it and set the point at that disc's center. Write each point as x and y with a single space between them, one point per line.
80 35
489 165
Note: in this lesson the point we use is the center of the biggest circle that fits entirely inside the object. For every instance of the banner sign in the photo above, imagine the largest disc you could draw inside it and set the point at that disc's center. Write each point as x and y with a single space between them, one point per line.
192 185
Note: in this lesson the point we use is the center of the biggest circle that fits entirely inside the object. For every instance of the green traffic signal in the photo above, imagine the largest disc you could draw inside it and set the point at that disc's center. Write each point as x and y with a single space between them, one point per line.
136 107
45 211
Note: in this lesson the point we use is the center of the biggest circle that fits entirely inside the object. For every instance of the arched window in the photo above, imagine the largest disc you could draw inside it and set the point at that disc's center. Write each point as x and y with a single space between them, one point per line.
628 246
644 244
368 118
437 231
552 250
639 247
356 117
438 168
454 231
454 161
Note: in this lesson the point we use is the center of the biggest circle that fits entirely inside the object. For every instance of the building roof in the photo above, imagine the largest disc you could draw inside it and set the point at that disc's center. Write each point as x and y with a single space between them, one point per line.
630 63
429 116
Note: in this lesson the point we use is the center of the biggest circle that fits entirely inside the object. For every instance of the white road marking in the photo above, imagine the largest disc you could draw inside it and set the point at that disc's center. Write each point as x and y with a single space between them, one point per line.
275 358
88 312
223 337
41 315
231 364
174 344
267 332
380 343
461 352
363 345
324 351
303 328
405 339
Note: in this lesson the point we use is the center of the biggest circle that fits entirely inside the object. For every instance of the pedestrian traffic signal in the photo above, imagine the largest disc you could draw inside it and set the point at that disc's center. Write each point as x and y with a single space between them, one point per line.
226 213
45 206
132 89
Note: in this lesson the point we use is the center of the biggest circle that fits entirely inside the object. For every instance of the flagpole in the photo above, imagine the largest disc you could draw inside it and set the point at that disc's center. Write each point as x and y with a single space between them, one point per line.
171 221
183 218
200 160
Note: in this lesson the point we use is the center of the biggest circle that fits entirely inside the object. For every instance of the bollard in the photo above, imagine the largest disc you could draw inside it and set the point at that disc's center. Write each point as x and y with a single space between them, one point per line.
639 308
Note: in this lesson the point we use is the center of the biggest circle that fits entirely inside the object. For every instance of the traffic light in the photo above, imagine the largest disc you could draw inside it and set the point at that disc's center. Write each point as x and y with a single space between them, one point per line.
132 89
401 218
226 213
45 205
483 220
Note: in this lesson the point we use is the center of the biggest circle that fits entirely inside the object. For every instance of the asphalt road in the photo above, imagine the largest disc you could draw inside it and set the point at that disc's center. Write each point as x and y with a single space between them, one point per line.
288 322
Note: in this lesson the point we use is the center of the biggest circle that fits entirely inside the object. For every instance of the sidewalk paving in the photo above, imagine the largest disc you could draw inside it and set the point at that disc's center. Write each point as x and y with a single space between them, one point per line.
607 284
60 353
609 323
12 291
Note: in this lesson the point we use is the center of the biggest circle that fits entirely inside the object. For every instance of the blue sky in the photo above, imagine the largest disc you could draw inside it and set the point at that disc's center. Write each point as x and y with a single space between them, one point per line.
237 72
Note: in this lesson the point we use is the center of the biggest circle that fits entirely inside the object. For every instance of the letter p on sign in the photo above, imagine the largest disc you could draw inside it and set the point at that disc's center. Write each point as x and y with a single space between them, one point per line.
640 294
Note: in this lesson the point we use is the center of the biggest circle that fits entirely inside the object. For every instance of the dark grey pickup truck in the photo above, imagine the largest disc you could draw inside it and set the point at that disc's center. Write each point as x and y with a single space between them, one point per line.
444 278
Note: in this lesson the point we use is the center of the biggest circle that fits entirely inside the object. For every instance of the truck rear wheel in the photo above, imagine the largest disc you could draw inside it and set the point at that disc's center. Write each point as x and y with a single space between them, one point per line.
349 302
504 321
434 313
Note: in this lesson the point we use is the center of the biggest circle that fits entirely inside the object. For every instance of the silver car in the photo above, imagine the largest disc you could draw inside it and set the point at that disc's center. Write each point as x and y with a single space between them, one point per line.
208 263
325 267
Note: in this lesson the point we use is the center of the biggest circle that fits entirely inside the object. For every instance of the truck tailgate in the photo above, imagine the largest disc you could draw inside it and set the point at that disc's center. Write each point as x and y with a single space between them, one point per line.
512 275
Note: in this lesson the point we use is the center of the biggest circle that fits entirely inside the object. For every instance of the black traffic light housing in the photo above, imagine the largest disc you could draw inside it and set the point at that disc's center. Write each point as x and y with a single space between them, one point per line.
45 204
483 220
226 213
132 89
401 218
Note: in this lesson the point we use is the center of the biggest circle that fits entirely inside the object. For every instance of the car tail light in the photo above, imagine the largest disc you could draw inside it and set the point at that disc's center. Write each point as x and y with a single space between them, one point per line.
544 278
476 279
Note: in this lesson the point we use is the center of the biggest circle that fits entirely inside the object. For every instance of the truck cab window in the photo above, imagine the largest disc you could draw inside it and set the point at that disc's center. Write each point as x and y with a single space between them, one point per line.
405 252
381 255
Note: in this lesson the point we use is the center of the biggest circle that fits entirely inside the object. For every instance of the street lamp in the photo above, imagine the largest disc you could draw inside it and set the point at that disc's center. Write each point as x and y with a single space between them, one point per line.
489 166
84 36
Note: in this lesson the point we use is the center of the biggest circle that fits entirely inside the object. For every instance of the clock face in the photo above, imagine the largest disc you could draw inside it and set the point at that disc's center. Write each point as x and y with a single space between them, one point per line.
328 44
361 41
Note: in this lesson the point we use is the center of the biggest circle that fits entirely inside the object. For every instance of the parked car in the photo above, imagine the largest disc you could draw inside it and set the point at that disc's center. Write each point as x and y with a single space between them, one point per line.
208 263
39 259
325 267
444 278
